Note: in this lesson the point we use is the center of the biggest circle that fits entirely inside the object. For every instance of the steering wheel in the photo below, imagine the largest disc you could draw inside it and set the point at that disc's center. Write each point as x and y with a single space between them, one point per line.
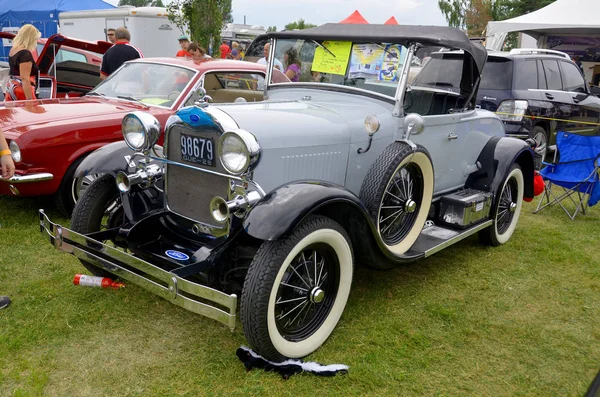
173 95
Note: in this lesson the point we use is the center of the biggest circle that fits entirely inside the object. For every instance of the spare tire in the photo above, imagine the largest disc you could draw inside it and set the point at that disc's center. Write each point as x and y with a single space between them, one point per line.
397 193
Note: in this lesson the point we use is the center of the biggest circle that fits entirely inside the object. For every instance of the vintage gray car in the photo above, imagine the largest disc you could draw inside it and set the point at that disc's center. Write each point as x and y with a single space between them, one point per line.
278 200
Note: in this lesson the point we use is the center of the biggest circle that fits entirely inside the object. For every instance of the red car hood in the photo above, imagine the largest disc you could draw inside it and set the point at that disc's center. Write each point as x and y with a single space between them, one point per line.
22 116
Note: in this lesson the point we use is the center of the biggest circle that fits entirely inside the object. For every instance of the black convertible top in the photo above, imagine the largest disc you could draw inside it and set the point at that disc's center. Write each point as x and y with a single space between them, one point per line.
435 36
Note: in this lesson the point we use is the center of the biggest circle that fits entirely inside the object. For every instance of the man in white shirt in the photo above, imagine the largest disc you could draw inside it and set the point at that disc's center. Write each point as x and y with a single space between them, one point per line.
265 61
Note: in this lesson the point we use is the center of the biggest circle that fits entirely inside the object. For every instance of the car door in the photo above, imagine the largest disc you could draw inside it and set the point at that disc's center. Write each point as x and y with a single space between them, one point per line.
559 109
585 107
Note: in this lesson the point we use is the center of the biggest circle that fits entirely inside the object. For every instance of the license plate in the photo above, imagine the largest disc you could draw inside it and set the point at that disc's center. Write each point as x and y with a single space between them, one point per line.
198 150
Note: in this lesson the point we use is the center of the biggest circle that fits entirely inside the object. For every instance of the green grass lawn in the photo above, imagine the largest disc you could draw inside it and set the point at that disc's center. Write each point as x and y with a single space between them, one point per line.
519 320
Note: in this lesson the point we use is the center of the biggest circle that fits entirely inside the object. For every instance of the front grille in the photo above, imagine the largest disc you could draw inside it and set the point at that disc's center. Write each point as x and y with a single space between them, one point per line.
190 191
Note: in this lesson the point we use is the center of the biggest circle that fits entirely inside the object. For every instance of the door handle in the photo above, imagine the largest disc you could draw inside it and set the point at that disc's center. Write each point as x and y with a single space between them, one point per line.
452 136
549 96
575 100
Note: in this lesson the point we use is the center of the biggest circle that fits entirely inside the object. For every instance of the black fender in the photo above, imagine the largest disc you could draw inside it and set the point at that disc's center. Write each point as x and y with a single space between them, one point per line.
110 159
496 159
281 210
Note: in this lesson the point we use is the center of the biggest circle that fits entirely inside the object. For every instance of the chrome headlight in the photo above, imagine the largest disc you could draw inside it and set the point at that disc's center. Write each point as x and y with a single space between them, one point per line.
140 130
15 151
238 151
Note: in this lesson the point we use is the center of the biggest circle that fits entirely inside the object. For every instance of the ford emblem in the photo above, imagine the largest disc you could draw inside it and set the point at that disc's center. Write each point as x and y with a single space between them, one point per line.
177 255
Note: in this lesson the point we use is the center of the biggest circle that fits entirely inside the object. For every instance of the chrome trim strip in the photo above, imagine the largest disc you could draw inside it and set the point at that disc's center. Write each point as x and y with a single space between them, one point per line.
42 176
110 258
458 238
237 178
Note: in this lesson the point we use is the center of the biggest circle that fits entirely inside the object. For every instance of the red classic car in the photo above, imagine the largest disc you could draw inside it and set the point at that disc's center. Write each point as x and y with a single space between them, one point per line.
68 67
49 138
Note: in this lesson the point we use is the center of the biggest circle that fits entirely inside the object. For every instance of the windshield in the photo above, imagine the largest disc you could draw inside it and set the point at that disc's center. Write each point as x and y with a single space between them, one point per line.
373 66
150 83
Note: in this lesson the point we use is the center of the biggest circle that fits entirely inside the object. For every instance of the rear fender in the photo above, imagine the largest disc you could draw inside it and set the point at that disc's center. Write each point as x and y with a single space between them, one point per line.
496 159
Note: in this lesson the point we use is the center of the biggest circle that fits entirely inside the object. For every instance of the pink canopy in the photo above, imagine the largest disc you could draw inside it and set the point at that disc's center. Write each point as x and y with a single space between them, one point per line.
391 21
355 18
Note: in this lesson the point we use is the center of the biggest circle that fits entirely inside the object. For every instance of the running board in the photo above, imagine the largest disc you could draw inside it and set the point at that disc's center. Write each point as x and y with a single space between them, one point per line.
436 238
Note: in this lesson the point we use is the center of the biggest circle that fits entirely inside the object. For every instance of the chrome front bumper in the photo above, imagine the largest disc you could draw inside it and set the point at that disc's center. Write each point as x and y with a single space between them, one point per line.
178 290
42 176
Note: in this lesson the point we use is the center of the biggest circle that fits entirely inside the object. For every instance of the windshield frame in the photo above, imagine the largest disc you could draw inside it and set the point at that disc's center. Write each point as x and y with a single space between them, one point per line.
396 99
185 90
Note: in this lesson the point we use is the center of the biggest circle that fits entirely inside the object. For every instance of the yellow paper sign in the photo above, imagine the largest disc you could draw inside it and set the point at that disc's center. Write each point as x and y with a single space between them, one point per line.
324 62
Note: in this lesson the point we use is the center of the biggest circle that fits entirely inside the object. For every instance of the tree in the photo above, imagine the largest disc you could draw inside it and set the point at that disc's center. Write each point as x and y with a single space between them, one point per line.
203 18
141 3
272 29
454 11
299 24
473 15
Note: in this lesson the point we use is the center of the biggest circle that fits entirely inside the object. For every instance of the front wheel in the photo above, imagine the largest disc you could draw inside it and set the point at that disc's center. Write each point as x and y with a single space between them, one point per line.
99 208
507 209
296 289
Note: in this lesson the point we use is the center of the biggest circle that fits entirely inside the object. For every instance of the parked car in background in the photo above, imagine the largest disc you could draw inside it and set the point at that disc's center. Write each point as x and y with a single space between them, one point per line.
49 138
272 201
535 92
68 67
548 94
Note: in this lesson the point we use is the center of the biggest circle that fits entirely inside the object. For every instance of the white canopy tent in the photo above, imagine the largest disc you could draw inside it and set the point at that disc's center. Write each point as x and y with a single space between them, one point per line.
563 17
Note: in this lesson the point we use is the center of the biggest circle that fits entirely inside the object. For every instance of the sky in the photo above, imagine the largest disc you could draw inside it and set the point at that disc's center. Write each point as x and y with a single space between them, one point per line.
281 12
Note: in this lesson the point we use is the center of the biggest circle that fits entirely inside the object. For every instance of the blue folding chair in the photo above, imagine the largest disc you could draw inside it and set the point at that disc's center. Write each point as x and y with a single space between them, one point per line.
577 171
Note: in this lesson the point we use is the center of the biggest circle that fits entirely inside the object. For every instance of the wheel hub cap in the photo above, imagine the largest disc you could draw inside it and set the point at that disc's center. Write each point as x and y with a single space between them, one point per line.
410 206
512 207
317 295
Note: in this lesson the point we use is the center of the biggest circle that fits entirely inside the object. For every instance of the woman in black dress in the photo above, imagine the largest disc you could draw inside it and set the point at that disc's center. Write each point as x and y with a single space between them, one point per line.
23 69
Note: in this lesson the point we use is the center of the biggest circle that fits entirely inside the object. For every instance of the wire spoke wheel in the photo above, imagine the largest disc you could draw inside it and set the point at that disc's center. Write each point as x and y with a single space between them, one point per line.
506 209
307 292
507 206
296 289
80 185
399 204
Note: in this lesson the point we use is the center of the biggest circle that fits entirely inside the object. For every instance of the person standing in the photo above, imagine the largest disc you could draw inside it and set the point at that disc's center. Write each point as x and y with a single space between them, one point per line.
119 53
110 34
23 71
265 60
224 49
198 53
7 170
184 42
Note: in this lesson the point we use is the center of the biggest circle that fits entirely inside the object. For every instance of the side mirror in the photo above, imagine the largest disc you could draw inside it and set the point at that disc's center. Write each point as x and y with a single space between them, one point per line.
413 124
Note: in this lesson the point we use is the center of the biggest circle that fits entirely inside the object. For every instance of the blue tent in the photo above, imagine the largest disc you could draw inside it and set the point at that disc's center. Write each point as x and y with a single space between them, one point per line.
43 14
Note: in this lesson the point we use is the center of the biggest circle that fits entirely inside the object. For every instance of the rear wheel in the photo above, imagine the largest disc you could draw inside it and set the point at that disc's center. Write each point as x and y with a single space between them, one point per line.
540 136
99 208
507 209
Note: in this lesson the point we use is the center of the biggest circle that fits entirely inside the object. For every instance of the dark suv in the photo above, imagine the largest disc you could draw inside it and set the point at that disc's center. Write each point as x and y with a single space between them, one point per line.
536 93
